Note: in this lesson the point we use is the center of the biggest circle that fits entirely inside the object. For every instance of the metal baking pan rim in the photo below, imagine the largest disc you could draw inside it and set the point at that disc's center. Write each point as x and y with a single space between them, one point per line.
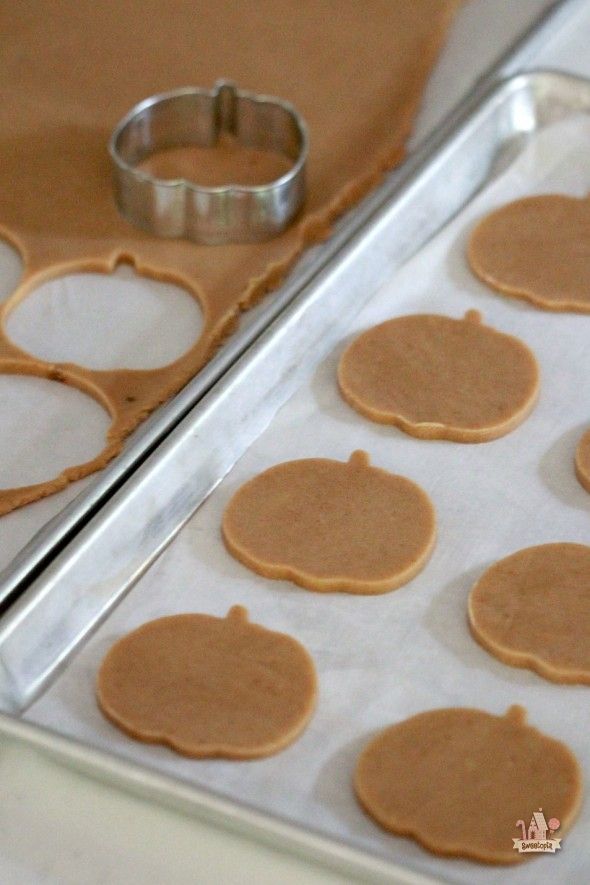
239 817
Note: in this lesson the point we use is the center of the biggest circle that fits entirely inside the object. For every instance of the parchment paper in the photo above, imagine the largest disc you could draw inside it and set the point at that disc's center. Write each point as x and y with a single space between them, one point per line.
381 659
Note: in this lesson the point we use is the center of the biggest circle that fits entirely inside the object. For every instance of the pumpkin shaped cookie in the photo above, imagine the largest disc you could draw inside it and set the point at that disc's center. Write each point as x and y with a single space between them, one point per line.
327 526
460 781
439 378
538 249
207 686
532 609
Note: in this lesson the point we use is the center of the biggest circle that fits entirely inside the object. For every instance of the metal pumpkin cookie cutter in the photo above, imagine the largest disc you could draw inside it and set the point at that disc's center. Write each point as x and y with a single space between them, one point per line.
231 213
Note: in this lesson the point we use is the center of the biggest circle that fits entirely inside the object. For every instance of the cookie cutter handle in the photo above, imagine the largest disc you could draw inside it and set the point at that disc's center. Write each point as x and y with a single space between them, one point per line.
231 213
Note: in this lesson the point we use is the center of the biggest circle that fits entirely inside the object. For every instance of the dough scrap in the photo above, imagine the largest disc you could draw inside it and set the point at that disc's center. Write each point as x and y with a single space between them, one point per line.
209 687
532 609
457 780
439 378
329 526
582 461
64 89
537 249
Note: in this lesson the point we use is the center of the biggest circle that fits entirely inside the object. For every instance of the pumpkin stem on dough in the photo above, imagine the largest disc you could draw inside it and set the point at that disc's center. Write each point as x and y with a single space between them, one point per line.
359 459
237 613
473 316
517 714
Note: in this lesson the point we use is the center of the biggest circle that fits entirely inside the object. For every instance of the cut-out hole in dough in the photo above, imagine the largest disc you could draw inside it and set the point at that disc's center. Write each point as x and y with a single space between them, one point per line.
107 321
45 426
11 269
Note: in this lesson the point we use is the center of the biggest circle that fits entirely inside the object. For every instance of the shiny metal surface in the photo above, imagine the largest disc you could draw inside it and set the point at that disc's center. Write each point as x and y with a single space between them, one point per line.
84 583
56 533
232 213
175 793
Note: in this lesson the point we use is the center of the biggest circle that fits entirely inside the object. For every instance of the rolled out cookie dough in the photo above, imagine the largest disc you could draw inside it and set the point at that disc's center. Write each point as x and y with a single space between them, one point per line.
538 249
331 526
207 686
458 780
356 77
532 609
440 378
582 461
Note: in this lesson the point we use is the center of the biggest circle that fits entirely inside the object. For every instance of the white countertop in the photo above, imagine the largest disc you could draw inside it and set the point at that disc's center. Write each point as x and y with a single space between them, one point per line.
57 826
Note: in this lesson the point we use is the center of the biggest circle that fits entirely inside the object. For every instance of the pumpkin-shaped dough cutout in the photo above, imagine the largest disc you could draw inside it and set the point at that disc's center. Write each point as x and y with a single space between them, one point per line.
207 686
435 377
460 781
537 249
328 525
532 609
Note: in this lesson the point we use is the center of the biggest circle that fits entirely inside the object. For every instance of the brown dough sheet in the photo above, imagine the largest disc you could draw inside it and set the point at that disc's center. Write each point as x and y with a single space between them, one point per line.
532 609
207 686
457 780
70 70
329 526
538 249
440 378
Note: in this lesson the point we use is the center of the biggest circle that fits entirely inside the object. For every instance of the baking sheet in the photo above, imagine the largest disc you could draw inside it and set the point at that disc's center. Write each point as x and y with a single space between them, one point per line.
381 659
